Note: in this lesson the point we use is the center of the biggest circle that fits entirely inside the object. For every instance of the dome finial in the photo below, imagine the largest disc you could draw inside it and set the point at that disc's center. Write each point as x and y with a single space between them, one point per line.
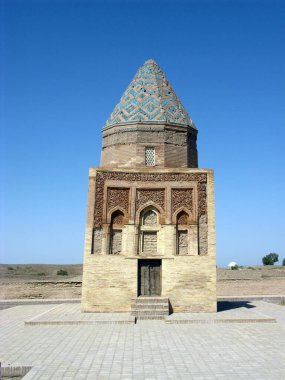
150 61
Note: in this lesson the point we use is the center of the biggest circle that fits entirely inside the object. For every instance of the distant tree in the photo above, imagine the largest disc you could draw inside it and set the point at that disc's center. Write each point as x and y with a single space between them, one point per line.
62 272
283 262
270 259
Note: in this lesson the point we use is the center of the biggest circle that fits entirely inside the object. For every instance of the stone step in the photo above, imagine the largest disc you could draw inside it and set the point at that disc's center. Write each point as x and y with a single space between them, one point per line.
150 300
148 317
150 307
149 314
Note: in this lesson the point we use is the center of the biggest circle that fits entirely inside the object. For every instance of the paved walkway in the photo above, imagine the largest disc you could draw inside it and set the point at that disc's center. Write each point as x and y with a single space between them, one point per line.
70 314
229 312
146 350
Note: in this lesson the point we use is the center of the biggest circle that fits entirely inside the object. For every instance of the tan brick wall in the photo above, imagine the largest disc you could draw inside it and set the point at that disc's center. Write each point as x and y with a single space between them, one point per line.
130 155
124 146
189 281
119 156
109 283
175 156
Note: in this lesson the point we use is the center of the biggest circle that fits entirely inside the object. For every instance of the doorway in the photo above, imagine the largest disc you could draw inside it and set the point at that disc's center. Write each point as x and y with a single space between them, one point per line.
149 278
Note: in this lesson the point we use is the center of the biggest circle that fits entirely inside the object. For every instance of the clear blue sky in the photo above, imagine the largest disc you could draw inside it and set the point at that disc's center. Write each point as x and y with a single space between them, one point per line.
64 66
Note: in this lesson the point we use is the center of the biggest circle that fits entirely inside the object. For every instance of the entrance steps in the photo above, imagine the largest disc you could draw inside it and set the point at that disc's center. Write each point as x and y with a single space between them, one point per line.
150 307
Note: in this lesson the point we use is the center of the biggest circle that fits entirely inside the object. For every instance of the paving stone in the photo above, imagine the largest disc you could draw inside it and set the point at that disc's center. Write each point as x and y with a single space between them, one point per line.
146 350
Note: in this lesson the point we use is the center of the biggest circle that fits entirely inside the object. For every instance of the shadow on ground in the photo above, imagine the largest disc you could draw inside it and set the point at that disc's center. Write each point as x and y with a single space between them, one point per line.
229 305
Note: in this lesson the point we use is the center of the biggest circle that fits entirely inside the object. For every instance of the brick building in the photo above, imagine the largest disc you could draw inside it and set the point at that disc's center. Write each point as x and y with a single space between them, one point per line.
150 220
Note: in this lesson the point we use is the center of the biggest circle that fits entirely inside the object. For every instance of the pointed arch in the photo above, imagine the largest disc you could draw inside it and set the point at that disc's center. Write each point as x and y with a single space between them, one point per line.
116 226
149 205
182 213
117 218
182 219
149 216
115 210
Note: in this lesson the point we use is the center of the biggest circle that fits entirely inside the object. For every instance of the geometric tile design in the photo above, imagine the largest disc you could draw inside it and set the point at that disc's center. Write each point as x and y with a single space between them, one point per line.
149 98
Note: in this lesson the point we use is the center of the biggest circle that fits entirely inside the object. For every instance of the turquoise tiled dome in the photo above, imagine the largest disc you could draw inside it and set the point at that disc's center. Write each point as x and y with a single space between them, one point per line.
149 98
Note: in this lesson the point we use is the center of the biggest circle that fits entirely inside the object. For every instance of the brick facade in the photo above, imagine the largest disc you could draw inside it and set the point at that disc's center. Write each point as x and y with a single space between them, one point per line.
138 213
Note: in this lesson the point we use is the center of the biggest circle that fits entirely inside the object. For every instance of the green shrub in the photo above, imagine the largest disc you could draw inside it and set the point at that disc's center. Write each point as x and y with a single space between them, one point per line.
282 302
11 268
41 274
62 272
234 267
270 259
283 262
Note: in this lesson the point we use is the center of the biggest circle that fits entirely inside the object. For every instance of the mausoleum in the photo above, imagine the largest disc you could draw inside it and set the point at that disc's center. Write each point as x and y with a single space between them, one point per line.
150 232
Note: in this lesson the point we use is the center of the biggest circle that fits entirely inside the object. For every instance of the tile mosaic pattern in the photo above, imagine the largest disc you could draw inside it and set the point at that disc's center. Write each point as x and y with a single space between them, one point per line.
149 98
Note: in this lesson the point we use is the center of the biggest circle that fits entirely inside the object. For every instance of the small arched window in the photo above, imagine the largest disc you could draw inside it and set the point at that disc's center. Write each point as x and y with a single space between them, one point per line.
117 223
182 220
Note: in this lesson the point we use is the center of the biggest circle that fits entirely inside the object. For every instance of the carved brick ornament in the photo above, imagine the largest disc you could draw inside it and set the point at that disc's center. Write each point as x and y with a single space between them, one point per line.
118 198
101 177
155 195
182 198
202 198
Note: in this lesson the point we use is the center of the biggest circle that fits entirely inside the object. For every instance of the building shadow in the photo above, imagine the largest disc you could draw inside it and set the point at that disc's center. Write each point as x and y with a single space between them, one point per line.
229 305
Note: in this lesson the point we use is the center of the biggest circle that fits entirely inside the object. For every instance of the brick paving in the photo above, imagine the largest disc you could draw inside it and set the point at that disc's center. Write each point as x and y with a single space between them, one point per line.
69 314
146 350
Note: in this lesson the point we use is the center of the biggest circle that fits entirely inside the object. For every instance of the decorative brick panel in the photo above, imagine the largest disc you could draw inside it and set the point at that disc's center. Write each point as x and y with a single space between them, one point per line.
146 195
117 197
102 176
182 198
202 198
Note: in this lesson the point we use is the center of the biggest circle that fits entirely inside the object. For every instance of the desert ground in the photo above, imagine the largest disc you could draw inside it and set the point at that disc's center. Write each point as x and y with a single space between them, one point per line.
43 281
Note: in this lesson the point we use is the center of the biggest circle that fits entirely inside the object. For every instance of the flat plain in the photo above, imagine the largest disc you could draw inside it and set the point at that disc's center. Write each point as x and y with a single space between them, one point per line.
42 281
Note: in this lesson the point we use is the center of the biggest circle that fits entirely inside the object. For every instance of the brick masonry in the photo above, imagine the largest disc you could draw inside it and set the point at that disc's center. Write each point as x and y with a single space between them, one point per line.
125 188
189 281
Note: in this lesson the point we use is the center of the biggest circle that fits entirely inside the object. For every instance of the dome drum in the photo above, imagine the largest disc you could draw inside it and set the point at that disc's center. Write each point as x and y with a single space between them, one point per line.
124 146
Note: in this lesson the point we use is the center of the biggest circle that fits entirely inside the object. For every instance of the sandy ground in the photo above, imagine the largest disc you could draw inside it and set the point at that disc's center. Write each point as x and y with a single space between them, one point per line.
42 281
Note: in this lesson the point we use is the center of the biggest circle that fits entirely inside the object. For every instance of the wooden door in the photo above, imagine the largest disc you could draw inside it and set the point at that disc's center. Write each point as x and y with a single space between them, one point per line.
149 283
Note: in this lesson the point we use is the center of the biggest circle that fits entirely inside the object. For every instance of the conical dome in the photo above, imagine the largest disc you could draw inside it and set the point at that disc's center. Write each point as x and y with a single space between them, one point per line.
149 99
149 126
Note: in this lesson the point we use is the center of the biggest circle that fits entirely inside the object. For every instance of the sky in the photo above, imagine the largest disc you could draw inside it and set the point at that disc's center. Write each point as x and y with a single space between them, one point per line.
65 65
